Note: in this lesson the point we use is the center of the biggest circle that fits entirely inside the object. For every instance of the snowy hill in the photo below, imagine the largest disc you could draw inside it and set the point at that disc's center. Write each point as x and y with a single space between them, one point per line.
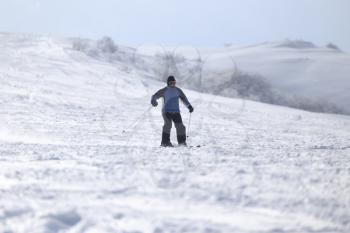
79 153
297 68
299 73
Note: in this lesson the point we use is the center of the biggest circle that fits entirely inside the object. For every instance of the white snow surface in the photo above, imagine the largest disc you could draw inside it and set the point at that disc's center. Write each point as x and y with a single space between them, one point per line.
314 72
79 152
292 67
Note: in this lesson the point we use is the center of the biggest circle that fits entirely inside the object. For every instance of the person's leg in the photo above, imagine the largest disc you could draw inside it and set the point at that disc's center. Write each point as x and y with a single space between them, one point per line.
166 130
180 128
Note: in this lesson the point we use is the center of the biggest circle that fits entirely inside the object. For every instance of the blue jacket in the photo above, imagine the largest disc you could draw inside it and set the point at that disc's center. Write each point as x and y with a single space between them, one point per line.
171 95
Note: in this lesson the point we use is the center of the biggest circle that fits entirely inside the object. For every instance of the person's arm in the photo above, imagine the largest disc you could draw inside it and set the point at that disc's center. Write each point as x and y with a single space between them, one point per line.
156 96
185 100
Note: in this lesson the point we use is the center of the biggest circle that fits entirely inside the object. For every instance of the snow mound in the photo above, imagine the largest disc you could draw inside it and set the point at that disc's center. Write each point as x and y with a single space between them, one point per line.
296 44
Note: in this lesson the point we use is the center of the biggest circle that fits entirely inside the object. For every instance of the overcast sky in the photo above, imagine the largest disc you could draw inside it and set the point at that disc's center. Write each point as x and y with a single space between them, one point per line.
183 22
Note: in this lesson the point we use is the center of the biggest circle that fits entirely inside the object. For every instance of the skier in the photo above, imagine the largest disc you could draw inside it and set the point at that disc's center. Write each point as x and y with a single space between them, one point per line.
171 111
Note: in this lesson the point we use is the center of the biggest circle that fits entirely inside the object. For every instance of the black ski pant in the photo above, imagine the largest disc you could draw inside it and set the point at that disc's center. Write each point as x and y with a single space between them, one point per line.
175 117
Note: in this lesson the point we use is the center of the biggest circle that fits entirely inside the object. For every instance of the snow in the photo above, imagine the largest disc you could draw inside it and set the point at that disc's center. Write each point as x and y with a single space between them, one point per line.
79 152
317 73
292 67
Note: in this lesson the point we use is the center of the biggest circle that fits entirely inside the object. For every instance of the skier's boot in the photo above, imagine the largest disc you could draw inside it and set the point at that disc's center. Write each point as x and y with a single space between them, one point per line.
166 140
168 144
181 139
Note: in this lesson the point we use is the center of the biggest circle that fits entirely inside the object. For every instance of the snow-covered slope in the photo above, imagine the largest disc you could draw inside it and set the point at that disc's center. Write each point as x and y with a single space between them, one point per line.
79 153
292 67
289 73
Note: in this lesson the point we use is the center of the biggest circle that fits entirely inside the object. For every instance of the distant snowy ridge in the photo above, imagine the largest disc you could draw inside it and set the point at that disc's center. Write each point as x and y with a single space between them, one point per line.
288 73
297 44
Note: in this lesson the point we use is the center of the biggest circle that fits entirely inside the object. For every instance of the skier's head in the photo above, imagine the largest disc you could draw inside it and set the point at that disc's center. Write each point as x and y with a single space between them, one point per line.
171 81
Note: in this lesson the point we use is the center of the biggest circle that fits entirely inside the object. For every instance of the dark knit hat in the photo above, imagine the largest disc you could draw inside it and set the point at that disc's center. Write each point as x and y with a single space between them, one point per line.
170 79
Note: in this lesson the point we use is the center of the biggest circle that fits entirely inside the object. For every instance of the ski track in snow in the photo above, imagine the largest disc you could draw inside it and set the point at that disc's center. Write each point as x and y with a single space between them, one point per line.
71 163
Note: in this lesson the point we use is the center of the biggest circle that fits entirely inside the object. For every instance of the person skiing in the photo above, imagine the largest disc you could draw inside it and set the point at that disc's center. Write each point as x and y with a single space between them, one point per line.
171 111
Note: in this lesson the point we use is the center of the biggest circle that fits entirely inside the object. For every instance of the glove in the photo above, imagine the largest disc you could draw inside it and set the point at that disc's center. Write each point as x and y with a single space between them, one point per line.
190 108
154 103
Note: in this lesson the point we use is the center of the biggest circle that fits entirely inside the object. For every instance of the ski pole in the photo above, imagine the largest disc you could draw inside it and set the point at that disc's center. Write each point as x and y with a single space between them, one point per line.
189 124
135 123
